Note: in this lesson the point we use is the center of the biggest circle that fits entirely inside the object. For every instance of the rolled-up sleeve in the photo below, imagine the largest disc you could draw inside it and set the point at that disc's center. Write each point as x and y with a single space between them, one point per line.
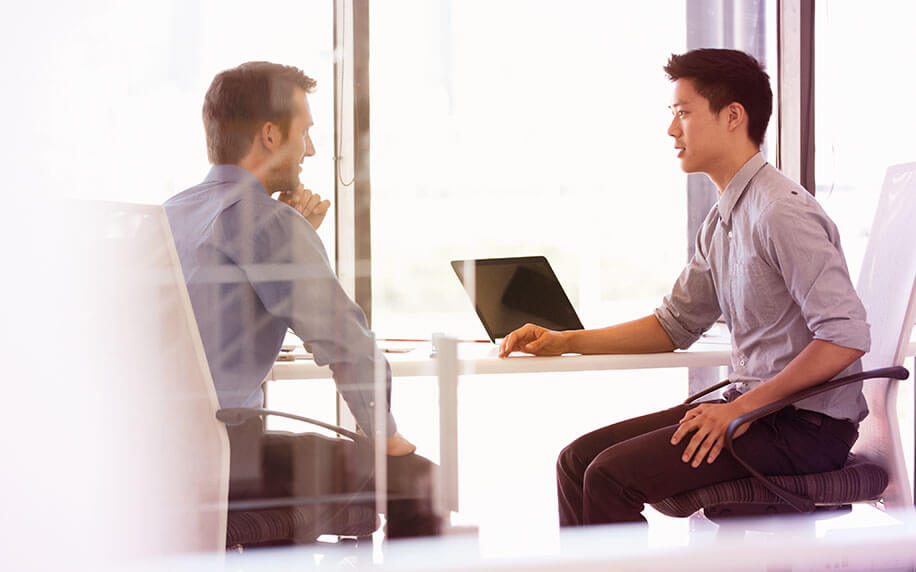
816 276
692 305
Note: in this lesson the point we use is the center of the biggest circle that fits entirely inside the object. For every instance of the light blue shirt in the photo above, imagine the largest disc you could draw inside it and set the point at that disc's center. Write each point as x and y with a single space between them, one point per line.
255 267
768 259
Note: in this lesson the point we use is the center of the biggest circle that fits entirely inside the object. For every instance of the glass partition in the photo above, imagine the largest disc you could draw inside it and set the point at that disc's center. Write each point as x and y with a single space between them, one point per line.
524 128
515 129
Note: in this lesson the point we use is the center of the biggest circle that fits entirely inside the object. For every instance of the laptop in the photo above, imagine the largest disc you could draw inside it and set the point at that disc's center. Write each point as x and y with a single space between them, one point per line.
507 293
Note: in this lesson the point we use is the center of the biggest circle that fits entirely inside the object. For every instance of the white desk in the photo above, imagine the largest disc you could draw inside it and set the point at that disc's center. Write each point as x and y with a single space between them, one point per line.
480 358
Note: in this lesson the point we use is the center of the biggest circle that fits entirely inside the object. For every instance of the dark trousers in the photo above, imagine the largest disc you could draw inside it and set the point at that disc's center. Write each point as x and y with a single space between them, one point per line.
607 476
328 474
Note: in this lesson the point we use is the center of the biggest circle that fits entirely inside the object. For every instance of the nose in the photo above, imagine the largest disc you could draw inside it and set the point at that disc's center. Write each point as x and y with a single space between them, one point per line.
309 146
674 128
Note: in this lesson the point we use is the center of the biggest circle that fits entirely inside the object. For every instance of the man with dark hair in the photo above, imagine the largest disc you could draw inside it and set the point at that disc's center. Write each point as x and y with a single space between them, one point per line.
255 267
768 260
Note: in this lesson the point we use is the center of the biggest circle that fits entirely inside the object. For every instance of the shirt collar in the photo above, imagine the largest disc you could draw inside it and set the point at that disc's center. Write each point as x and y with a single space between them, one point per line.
238 176
739 183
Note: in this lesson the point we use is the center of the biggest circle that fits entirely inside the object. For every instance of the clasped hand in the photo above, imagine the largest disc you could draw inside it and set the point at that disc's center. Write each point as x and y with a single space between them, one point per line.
308 204
708 422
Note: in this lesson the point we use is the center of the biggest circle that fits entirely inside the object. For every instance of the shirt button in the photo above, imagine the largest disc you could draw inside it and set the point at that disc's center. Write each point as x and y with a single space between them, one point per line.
372 403
729 234
741 362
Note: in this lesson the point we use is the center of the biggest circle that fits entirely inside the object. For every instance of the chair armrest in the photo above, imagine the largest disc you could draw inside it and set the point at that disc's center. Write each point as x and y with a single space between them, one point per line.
234 415
706 391
800 503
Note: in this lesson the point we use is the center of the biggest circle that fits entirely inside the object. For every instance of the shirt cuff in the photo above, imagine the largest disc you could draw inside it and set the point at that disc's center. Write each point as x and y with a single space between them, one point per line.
845 332
366 422
392 426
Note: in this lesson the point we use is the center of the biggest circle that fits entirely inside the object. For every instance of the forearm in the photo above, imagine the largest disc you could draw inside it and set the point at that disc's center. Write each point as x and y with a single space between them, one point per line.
820 361
355 383
641 336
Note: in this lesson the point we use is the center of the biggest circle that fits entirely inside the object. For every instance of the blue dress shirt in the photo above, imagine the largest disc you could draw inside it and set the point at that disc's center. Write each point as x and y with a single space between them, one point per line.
255 267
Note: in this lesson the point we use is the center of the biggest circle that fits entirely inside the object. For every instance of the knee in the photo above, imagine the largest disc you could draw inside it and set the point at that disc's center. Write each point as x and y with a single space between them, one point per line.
595 477
608 470
570 462
412 474
605 481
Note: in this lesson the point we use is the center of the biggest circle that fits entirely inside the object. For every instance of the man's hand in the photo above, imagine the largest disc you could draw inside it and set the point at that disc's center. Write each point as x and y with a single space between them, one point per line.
708 421
534 340
398 446
308 204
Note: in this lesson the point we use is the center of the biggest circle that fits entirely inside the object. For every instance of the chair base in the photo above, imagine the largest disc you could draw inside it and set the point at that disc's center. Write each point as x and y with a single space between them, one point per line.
725 512
733 522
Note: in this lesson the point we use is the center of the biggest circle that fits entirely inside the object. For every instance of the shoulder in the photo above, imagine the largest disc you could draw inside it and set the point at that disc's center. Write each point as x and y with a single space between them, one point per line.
187 196
264 213
775 199
268 223
770 191
783 212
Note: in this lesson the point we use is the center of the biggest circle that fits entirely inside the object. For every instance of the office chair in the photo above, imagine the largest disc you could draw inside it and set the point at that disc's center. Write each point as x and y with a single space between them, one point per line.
172 390
875 471
297 521
175 451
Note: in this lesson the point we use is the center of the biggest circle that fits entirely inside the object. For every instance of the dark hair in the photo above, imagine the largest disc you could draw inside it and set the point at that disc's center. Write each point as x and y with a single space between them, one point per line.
726 76
240 100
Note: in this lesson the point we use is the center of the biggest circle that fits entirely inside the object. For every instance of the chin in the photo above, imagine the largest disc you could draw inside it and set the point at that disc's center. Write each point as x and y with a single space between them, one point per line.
689 168
287 182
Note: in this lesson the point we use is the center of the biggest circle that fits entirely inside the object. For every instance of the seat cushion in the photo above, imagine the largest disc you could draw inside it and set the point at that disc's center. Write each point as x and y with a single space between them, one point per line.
298 524
857 481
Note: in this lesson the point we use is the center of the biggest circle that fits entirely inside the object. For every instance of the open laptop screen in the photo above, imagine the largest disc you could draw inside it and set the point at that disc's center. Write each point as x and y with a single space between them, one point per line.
510 292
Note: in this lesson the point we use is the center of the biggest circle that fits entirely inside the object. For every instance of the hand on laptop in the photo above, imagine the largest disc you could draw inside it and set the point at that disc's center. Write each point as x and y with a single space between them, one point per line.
534 340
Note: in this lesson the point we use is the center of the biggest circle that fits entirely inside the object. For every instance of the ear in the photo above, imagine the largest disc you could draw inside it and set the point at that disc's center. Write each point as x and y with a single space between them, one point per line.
270 136
736 115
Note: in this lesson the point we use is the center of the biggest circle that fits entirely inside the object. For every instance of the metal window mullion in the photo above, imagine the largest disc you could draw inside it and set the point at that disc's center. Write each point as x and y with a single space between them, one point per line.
796 91
737 24
351 141
351 155
362 187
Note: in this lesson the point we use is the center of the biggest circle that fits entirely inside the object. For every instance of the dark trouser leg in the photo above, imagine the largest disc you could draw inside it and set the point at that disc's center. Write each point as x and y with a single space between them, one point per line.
245 459
578 455
323 466
330 476
644 468
411 510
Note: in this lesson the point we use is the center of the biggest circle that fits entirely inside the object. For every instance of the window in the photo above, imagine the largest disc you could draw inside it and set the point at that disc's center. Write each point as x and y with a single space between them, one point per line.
512 128
518 128
863 125
115 113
